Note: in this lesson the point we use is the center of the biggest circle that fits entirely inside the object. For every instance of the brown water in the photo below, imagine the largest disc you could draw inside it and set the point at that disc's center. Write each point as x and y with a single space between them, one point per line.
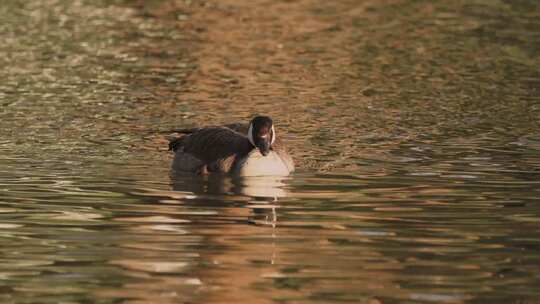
414 125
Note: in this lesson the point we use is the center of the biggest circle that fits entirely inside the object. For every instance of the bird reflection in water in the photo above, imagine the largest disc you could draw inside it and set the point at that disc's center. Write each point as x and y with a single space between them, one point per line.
259 194
237 200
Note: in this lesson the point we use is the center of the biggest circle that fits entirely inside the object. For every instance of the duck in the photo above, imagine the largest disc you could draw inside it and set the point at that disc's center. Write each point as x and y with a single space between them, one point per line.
241 149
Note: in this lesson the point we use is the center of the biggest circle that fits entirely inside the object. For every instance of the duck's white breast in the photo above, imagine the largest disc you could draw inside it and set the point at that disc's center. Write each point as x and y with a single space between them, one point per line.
255 164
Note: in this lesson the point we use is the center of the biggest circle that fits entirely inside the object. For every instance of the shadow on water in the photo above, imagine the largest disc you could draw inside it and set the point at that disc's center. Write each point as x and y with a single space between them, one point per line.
414 125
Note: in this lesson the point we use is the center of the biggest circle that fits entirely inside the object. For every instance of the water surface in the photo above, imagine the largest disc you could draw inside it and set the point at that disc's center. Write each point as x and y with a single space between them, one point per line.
414 126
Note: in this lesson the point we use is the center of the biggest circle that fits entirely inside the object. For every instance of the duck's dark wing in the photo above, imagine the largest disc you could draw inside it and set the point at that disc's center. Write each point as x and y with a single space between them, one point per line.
177 142
212 144
238 127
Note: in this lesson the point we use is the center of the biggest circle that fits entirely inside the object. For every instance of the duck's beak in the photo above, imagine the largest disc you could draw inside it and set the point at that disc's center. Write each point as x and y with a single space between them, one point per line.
264 146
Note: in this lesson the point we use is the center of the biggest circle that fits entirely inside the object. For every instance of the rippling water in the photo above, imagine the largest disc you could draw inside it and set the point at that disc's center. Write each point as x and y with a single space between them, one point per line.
414 125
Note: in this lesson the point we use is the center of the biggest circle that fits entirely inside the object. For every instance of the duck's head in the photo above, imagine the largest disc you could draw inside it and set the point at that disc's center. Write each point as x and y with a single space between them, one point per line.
261 133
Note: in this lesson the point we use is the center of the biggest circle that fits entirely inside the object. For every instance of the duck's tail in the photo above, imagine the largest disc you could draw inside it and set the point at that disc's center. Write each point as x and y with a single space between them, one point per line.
176 143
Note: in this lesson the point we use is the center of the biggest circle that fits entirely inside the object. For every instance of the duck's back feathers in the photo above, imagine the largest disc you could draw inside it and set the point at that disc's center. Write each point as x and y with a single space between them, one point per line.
217 147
